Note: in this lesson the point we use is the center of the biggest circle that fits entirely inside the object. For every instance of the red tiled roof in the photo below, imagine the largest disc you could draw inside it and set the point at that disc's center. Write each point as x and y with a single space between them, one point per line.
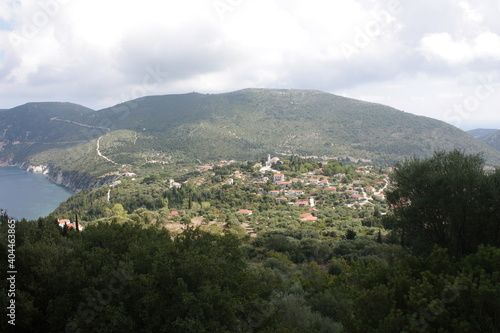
244 211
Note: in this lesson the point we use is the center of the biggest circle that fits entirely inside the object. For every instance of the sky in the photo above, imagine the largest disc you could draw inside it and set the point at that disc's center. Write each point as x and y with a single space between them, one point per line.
438 58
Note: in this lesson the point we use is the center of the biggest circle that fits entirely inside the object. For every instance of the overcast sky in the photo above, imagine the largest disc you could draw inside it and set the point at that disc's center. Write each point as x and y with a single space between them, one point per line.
438 58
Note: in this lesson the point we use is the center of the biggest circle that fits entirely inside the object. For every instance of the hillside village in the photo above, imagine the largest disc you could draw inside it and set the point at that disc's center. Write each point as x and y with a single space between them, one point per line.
250 197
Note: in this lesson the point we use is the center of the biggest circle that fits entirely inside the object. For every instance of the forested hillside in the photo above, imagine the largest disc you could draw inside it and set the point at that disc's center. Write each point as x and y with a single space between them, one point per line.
154 133
246 260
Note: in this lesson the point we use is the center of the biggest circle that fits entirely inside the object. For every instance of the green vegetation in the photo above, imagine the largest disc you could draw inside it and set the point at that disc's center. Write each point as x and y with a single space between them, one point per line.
160 133
131 271
493 140
302 245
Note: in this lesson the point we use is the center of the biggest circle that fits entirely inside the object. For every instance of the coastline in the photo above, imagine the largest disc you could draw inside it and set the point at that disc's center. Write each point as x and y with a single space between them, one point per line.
73 181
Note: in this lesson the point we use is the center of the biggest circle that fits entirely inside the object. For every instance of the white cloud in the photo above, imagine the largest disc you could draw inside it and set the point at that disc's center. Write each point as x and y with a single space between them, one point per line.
487 46
470 13
441 46
100 52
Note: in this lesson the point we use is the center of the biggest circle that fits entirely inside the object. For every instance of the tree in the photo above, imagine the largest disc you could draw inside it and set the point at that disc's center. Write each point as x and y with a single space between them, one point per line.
350 234
118 210
444 200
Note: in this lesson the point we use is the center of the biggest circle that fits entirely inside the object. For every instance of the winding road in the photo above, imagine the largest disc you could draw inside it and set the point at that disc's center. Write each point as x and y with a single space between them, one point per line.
107 129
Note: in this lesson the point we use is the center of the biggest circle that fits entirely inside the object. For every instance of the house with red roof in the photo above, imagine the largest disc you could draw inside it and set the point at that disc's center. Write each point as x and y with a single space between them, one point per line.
68 224
278 178
314 181
356 197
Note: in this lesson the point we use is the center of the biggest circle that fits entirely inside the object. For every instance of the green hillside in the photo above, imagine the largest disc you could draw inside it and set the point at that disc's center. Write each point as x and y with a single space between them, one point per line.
34 127
155 132
250 122
489 136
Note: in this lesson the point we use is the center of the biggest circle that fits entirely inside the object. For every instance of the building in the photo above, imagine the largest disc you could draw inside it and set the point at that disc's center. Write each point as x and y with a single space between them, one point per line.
278 178
295 192
314 181
68 224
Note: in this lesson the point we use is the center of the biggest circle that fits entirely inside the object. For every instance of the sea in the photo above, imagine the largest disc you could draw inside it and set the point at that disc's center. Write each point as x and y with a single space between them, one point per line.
29 195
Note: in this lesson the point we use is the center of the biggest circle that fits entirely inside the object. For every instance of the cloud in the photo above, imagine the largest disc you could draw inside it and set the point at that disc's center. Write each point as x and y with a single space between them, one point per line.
102 52
442 46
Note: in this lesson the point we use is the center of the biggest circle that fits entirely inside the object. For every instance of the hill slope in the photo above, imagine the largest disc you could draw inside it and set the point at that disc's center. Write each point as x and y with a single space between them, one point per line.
481 133
255 121
35 127
152 131
489 136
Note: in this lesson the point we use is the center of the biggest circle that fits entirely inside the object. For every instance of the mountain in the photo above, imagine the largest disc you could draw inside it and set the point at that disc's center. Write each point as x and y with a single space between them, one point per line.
489 136
153 132
251 122
35 127
481 133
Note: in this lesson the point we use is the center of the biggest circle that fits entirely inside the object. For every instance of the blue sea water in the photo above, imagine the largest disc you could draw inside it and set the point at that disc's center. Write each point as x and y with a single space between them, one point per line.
28 195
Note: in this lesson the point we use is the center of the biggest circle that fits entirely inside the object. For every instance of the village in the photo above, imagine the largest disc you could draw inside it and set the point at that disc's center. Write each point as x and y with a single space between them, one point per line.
311 196
296 193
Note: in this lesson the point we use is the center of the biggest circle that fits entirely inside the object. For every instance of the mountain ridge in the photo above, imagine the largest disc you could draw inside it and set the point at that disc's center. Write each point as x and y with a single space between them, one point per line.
489 136
153 132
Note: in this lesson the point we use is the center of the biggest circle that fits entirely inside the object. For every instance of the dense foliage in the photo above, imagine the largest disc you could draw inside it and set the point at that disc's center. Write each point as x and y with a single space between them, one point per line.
436 271
127 278
447 200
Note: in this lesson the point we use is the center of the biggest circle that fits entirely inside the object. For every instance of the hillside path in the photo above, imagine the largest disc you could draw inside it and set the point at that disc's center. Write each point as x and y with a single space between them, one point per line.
90 126
99 152
80 124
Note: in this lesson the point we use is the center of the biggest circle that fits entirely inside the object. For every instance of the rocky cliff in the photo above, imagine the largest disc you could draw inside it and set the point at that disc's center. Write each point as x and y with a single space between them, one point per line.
73 180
